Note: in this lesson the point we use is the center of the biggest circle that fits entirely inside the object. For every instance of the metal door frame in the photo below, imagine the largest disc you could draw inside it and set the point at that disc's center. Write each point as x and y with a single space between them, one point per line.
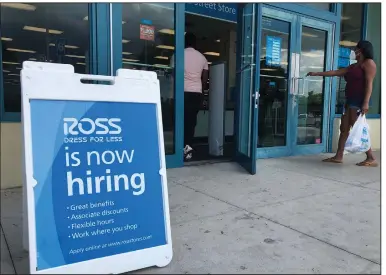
297 21
248 161
322 147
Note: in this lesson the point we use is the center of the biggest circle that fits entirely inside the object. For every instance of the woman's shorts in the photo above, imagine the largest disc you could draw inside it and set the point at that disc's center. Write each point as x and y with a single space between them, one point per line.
353 104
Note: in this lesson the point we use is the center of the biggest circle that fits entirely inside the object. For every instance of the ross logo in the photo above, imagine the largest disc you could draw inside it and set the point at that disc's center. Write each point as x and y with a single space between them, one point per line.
88 126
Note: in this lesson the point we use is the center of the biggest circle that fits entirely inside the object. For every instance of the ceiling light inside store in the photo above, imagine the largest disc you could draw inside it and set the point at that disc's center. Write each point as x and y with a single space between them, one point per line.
129 60
125 41
80 63
71 47
268 69
161 65
6 39
347 43
167 31
312 54
209 63
32 59
312 67
212 53
66 46
162 57
20 50
6 71
309 34
273 76
218 40
19 6
165 47
10 63
14 74
126 53
345 17
75 56
86 18
36 29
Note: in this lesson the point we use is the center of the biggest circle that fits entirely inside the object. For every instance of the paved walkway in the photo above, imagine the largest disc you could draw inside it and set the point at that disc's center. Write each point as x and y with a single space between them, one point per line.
298 215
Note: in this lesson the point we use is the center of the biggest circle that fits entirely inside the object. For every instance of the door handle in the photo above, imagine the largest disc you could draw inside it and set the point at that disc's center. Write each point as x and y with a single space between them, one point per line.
255 97
304 84
294 86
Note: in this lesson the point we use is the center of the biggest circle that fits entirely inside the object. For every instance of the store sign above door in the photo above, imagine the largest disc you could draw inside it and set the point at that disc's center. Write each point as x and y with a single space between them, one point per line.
226 12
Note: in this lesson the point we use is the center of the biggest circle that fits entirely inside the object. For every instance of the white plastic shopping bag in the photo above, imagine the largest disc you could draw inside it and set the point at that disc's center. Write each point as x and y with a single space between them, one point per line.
359 139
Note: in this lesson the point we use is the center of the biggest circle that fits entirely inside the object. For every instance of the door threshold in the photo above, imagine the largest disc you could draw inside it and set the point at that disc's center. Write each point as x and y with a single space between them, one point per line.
205 162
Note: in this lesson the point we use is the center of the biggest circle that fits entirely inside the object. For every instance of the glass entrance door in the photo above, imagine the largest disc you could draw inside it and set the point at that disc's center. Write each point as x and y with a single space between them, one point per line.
312 94
247 101
292 107
276 71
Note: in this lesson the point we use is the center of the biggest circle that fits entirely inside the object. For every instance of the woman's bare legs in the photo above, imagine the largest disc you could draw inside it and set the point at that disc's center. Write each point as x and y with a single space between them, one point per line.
370 155
347 120
370 160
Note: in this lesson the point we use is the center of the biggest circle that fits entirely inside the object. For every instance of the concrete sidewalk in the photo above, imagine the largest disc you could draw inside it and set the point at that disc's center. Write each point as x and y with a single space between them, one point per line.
298 215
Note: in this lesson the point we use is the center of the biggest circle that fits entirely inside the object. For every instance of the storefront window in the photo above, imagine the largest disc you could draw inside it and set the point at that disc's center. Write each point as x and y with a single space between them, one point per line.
319 6
57 33
148 43
373 35
350 34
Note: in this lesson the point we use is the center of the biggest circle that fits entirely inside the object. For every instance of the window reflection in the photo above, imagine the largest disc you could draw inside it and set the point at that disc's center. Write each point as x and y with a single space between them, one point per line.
311 89
350 34
374 36
246 84
148 43
273 83
54 33
319 6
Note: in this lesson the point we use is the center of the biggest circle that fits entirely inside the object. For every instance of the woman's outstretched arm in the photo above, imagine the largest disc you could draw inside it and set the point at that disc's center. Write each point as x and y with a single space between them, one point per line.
340 72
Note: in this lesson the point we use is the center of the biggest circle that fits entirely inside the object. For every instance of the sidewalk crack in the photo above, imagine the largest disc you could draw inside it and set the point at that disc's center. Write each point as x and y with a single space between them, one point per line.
8 248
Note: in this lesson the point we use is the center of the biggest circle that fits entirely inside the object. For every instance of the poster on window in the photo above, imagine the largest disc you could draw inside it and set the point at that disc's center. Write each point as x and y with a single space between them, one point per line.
146 32
273 54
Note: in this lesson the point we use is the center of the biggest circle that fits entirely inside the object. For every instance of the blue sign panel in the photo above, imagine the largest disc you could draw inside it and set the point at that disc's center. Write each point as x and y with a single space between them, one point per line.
99 191
344 52
273 52
343 62
222 11
146 22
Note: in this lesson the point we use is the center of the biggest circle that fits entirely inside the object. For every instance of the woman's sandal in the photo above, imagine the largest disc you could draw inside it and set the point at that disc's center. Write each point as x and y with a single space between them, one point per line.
332 160
368 163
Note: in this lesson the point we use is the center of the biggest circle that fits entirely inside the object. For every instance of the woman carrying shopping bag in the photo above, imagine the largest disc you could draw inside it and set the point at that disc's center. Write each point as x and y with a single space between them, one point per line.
359 85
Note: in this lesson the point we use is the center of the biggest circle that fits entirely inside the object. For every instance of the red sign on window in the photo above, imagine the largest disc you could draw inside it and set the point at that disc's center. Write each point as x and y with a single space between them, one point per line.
146 32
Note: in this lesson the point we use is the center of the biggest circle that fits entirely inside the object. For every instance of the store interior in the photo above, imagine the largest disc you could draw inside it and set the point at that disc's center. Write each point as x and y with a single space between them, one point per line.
216 39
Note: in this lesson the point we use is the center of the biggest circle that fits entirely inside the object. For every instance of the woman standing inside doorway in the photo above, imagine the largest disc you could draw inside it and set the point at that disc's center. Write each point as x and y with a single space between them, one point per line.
359 85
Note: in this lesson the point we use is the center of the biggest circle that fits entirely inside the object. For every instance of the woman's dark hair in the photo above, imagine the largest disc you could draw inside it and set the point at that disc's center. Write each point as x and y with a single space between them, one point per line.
190 40
366 49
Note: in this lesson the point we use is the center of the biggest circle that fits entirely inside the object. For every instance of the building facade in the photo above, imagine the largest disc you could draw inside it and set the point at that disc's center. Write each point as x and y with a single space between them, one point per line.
270 108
